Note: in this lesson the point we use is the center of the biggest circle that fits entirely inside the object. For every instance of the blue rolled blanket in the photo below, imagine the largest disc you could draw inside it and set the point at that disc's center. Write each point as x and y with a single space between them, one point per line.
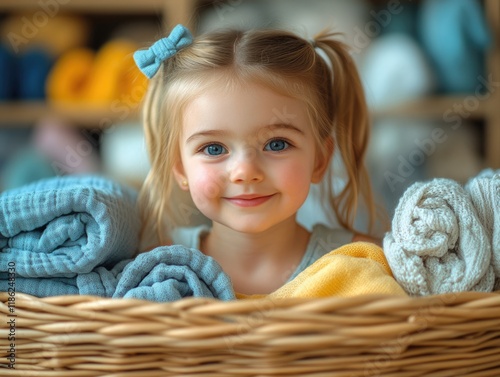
79 235
64 226
167 273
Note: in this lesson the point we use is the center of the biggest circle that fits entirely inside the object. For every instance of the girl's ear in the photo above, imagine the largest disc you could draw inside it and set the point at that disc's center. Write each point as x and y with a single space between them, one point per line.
322 161
180 175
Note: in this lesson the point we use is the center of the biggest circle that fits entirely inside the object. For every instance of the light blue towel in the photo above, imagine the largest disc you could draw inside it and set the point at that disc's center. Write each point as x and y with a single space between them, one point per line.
456 36
64 226
167 273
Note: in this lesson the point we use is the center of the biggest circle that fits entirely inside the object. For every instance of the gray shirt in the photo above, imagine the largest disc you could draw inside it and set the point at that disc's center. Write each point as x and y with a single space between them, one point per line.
322 241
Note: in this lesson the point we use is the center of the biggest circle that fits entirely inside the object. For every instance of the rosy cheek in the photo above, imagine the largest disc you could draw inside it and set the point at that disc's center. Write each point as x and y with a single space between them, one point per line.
207 183
296 177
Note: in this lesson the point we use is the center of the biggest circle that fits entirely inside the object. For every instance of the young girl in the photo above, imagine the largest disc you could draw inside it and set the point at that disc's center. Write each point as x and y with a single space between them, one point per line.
245 121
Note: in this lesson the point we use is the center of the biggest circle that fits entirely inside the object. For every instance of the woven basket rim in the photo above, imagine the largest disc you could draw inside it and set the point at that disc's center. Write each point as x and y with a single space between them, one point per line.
367 335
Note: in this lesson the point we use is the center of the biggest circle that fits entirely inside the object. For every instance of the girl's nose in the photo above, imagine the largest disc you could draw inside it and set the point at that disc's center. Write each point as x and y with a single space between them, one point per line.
246 168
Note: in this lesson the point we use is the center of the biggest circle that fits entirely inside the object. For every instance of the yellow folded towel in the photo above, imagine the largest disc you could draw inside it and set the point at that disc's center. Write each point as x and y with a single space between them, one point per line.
106 78
69 75
115 76
353 269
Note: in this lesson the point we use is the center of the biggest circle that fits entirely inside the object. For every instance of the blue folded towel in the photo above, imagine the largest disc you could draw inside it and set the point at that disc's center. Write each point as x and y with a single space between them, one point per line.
456 36
167 273
64 226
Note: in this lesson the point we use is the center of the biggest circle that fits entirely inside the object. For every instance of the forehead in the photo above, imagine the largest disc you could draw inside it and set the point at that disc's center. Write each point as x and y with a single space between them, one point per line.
242 104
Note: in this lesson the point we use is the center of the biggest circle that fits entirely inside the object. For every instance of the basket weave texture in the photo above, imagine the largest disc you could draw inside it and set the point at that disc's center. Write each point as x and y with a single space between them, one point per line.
373 335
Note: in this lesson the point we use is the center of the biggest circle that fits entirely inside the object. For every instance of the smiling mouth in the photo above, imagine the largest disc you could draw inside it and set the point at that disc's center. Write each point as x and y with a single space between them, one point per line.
250 201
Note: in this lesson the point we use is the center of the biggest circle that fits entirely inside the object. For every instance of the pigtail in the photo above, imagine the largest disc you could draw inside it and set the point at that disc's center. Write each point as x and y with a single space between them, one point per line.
157 185
351 123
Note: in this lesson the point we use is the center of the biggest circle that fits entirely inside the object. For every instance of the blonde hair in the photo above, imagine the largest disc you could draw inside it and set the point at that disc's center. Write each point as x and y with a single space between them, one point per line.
283 62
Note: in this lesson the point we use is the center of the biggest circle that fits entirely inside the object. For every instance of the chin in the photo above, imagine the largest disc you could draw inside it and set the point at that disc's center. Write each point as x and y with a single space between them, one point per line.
251 226
251 229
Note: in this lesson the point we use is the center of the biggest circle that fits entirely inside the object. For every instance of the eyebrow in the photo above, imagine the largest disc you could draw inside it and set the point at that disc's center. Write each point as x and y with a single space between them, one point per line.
208 133
219 133
286 126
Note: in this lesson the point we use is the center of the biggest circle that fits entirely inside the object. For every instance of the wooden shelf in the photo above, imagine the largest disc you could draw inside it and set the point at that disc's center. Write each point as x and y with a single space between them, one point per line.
87 116
437 108
171 12
15 114
492 130
88 6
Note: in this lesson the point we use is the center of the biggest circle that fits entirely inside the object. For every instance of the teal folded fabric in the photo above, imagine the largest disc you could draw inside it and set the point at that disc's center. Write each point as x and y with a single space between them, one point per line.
79 235
456 37
64 226
167 273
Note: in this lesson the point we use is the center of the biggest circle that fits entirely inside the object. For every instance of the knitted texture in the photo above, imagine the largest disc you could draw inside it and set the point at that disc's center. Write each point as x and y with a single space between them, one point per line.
438 243
484 190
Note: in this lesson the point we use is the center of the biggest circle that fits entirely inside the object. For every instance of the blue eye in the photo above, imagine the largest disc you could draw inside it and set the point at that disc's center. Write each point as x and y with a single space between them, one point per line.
214 149
276 145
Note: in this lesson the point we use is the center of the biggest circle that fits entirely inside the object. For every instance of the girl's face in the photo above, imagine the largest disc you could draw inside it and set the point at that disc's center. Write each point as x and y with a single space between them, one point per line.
248 156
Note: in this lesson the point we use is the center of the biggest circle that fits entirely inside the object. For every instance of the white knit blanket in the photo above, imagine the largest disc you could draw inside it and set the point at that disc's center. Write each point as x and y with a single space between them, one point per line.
484 191
437 243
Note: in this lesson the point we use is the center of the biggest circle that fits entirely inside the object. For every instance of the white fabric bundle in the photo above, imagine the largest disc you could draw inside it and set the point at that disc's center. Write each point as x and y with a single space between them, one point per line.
484 191
438 244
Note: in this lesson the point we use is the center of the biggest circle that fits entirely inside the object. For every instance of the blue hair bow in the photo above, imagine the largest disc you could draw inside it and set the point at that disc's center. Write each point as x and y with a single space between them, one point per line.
149 61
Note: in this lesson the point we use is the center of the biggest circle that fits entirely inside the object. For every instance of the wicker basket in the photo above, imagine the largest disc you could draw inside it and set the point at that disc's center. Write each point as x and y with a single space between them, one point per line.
445 335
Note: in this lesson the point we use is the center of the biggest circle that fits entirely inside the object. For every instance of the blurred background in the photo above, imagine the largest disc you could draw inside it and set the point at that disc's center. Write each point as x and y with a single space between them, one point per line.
70 94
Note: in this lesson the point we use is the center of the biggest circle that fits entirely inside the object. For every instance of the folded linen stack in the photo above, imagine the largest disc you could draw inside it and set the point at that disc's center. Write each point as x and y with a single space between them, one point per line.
166 273
443 236
63 226
79 235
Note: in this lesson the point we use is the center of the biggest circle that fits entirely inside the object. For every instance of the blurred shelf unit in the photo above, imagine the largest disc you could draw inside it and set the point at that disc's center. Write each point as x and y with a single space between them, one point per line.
172 12
438 107
452 109
19 113
492 117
